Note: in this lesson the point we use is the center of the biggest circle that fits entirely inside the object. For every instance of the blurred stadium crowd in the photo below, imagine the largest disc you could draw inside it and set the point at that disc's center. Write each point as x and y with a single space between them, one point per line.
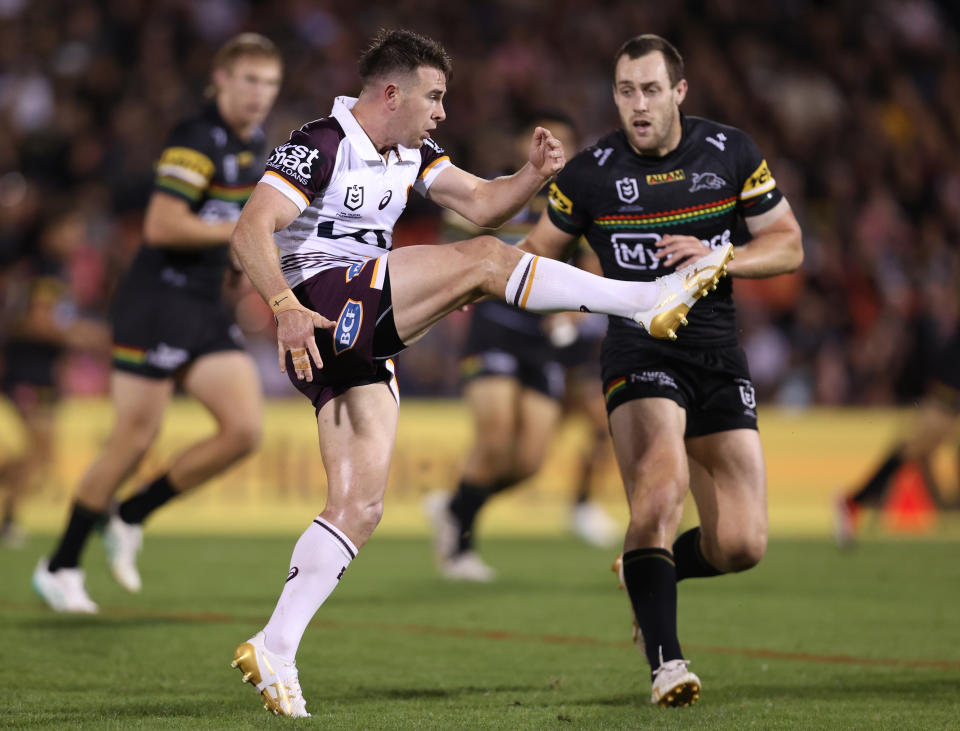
855 105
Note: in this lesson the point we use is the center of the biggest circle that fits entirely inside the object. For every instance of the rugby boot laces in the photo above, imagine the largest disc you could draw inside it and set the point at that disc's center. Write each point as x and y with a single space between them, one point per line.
273 676
63 589
122 542
679 291
674 684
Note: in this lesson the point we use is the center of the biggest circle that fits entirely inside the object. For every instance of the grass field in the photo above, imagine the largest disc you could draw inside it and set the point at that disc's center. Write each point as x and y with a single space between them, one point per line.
810 639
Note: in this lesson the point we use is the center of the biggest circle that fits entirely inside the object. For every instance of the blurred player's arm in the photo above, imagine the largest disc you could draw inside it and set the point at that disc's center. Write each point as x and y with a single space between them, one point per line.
547 240
491 203
46 320
170 222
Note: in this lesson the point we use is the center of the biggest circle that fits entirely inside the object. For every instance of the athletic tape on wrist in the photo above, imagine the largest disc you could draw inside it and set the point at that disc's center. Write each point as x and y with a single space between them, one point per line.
283 301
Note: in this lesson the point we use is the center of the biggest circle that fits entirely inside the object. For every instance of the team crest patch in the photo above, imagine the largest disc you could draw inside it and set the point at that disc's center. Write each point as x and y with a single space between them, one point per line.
348 326
354 197
628 190
353 271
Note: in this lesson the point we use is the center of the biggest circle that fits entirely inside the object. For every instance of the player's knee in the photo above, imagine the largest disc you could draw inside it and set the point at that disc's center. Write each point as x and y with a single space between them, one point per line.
491 261
496 455
244 437
134 437
656 506
525 466
366 518
744 552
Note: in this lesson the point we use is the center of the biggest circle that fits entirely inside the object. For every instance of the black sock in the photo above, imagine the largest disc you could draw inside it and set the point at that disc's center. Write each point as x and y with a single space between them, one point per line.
82 522
872 492
138 507
690 560
466 504
651 579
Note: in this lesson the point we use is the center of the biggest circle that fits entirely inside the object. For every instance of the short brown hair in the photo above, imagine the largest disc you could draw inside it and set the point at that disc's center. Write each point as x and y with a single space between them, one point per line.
649 43
244 45
402 50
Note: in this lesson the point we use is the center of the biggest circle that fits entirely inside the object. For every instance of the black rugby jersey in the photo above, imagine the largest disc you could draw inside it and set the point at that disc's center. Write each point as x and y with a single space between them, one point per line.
214 171
623 203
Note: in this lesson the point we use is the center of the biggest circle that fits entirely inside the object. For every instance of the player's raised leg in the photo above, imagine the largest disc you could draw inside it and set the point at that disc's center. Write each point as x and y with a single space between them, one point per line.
227 384
357 432
429 282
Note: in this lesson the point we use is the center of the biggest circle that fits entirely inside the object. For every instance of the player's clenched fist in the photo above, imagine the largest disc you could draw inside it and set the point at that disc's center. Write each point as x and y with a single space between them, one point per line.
546 153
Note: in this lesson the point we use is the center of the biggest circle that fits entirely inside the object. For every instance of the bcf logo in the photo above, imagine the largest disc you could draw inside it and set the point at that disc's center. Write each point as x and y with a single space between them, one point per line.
348 326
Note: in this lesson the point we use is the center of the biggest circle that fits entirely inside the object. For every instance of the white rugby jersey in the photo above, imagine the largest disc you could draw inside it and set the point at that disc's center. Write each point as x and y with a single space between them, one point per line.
349 195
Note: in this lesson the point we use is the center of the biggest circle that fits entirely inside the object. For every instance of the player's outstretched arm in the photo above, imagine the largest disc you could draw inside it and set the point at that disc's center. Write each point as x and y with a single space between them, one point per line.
491 203
169 221
268 211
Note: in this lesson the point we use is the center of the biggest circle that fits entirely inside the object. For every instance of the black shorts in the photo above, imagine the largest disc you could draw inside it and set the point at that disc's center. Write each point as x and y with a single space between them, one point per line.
945 381
361 349
494 349
713 386
158 330
583 354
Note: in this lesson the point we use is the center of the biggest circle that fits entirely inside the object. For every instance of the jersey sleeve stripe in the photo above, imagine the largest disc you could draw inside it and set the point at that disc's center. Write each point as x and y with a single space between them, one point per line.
296 195
188 176
428 168
177 187
754 192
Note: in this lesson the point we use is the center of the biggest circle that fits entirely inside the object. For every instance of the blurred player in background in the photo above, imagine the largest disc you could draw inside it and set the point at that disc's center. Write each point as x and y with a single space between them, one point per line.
661 192
171 325
934 423
519 369
332 195
43 321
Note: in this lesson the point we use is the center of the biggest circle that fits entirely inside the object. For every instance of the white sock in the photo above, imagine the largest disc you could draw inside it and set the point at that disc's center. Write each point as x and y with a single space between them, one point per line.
545 285
319 559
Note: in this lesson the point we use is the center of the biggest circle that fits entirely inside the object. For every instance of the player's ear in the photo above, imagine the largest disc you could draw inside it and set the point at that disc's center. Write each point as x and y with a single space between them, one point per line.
392 95
220 76
681 91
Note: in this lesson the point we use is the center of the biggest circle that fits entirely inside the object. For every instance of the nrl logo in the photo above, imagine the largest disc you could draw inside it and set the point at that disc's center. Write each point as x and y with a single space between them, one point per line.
628 190
354 197
706 181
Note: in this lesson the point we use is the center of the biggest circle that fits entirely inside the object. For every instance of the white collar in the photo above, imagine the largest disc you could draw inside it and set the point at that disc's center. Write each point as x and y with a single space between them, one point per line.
359 139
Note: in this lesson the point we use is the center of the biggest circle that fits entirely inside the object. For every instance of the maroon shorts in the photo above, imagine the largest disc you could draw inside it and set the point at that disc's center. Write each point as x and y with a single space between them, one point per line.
358 299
